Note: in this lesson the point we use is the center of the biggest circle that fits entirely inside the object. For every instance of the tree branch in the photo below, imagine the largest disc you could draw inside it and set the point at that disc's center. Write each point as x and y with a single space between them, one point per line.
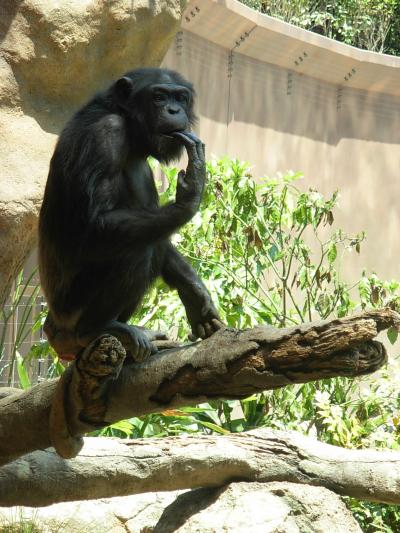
98 390
110 467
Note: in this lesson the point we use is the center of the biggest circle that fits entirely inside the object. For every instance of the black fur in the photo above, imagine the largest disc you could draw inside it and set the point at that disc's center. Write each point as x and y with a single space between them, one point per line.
103 237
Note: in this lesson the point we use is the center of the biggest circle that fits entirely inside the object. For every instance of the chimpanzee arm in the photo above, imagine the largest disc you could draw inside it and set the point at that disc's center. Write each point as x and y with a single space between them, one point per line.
158 223
201 312
143 225
92 173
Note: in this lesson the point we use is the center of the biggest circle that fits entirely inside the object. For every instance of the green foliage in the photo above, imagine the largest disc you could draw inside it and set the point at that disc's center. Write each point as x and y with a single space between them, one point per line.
41 350
268 252
23 374
374 518
369 24
23 298
17 523
24 526
18 318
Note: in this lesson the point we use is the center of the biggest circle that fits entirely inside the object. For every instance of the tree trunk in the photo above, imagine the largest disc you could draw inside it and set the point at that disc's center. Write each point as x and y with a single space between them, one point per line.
98 390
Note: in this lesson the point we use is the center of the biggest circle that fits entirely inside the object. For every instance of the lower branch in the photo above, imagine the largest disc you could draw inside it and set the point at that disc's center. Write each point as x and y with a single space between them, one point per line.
110 467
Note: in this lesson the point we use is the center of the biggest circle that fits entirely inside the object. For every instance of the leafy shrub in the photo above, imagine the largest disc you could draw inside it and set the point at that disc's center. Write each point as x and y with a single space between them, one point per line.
370 24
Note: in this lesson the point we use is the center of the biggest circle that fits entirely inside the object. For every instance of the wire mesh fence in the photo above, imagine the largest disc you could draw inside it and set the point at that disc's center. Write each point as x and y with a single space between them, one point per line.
20 329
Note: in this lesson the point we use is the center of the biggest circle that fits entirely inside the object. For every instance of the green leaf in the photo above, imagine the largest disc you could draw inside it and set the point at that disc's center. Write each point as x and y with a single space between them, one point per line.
124 426
273 252
238 425
22 373
392 334
332 252
196 409
214 427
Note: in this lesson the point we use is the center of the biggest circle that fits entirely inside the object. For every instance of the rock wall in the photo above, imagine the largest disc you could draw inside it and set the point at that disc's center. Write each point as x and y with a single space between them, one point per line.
53 57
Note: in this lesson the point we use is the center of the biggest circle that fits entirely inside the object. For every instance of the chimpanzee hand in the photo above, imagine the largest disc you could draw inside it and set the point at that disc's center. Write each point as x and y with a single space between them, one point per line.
190 184
202 316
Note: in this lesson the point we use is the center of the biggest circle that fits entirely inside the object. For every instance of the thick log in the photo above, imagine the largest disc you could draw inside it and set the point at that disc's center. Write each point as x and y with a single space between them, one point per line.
111 467
230 364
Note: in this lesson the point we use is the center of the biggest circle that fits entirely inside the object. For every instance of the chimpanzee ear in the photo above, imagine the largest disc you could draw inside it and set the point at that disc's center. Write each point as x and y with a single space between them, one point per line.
123 88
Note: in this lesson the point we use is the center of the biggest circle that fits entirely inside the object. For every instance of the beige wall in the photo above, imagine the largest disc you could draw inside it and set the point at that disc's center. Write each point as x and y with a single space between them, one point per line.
257 104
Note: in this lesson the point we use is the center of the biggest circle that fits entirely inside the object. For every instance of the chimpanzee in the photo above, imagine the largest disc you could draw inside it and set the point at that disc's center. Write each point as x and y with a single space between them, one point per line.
103 238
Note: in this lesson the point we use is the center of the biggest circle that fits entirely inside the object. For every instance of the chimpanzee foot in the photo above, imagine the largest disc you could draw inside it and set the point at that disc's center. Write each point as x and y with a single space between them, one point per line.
159 339
139 344
154 334
103 357
134 339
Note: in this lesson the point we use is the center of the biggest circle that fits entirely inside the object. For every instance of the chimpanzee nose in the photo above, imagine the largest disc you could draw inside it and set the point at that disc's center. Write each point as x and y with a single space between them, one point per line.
173 110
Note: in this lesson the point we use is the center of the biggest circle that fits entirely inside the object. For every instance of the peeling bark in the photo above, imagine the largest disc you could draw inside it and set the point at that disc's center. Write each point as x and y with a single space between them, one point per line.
111 467
230 364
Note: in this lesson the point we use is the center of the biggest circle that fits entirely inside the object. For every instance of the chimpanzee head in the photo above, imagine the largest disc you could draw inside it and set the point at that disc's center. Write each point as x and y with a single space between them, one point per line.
156 103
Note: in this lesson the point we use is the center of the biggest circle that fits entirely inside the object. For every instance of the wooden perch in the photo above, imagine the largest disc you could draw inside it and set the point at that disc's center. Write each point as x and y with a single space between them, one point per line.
111 467
98 390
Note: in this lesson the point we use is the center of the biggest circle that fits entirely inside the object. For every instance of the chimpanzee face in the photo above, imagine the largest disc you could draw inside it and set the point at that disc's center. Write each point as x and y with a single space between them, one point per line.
156 110
169 107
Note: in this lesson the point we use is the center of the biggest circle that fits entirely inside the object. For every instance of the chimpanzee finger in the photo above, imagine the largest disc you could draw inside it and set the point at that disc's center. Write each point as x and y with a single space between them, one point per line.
200 331
217 324
190 145
184 137
182 179
138 356
154 348
135 352
192 136
200 146
146 353
155 334
208 329
144 349
192 337
147 345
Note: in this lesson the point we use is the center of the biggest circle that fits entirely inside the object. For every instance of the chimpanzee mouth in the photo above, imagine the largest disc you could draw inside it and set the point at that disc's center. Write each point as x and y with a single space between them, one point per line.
168 147
170 134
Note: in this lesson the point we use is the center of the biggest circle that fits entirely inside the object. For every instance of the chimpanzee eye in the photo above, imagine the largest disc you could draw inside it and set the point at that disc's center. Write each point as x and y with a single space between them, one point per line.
182 98
159 97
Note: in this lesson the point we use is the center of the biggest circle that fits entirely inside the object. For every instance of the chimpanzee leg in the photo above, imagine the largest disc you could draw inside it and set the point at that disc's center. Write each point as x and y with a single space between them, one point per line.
133 338
201 312
108 307
69 343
